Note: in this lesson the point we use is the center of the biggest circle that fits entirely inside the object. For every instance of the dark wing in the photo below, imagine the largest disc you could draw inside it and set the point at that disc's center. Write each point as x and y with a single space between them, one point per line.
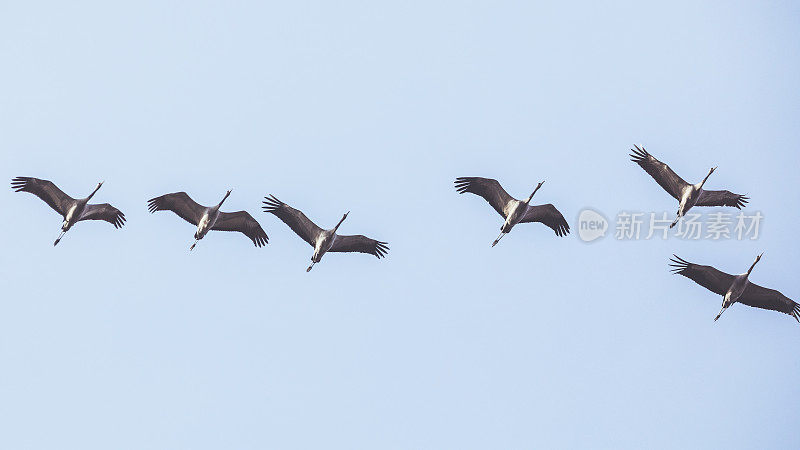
660 172
548 215
710 278
104 212
296 220
361 244
180 203
489 189
761 297
242 222
45 190
721 198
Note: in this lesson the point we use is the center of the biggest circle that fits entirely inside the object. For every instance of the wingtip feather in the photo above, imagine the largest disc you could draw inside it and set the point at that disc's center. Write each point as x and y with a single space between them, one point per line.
271 204
678 264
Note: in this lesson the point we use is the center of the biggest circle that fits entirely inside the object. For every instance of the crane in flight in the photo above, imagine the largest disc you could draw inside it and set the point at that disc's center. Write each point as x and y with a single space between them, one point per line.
71 209
207 218
513 211
323 241
735 288
688 195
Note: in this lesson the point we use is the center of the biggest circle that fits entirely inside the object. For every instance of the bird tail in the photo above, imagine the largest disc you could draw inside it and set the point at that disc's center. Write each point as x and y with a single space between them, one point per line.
796 312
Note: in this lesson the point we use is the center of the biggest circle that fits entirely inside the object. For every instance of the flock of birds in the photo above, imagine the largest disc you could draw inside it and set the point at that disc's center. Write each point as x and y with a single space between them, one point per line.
732 288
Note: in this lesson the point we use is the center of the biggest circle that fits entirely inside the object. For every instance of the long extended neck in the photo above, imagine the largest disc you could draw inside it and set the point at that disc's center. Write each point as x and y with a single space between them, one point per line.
706 178
94 191
753 266
340 221
223 199
534 192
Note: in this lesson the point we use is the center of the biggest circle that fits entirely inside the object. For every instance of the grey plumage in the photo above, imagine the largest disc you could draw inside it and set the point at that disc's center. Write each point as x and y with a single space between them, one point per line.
297 221
512 210
71 209
358 243
323 240
209 218
688 195
181 204
720 283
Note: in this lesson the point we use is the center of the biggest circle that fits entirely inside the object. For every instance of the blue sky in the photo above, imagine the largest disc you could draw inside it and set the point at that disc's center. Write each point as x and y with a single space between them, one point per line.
123 339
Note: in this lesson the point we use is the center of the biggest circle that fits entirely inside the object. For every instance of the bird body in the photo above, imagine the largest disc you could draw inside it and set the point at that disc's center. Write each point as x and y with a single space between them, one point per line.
735 288
72 210
207 221
72 215
738 287
735 291
209 218
205 224
690 194
515 211
512 210
323 241
689 198
75 212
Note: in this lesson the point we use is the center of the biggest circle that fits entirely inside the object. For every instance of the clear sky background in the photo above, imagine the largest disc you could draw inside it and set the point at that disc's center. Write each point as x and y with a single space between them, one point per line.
124 339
